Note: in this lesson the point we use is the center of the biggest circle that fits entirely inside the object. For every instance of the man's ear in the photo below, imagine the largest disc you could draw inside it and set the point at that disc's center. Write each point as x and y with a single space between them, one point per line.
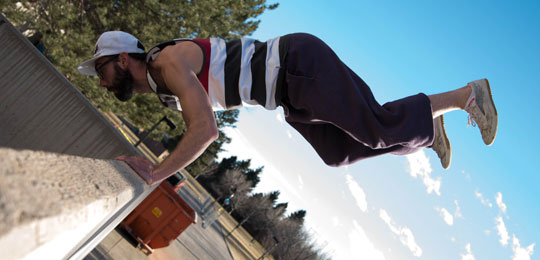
123 59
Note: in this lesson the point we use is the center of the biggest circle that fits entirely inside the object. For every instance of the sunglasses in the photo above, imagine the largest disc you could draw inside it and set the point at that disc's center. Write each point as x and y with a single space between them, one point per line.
98 68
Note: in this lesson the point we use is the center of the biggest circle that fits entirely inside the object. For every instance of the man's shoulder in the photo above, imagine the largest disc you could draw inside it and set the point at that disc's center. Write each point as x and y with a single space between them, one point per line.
180 54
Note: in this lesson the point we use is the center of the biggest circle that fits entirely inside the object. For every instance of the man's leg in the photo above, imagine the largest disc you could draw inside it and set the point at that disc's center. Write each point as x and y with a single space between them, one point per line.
440 104
449 101
336 112
336 147
327 100
476 99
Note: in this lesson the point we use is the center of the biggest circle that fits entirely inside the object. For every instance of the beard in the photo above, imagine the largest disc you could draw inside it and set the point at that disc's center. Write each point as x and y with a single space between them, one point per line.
122 84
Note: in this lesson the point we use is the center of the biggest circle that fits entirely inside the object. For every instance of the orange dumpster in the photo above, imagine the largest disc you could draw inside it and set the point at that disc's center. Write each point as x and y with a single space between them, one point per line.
161 217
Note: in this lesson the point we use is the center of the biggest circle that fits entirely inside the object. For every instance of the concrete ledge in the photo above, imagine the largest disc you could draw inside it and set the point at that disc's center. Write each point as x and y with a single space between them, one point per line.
50 202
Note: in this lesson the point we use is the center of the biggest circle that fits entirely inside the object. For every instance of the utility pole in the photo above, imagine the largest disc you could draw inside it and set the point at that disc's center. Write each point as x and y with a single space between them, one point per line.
169 123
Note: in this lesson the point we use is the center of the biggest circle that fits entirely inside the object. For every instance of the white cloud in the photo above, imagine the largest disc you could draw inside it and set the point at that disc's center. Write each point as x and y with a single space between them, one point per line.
289 134
404 233
457 213
448 218
301 181
468 254
501 230
453 239
419 166
357 192
521 253
467 176
335 221
484 201
279 117
500 203
281 120
361 246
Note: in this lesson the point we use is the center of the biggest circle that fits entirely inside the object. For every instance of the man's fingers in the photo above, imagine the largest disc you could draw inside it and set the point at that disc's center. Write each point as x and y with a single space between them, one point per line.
121 157
141 165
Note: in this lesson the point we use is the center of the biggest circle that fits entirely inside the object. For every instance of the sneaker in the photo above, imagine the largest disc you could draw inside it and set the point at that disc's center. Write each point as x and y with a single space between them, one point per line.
441 144
482 110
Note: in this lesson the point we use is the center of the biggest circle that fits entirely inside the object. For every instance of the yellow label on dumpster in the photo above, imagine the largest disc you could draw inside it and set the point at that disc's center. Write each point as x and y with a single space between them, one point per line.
156 212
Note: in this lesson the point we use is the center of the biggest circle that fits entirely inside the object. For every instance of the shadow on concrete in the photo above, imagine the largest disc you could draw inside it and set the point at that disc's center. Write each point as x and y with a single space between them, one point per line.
98 254
130 239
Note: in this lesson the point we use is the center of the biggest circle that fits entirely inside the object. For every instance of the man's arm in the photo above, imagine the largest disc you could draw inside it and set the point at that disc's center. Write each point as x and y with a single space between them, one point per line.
179 74
177 65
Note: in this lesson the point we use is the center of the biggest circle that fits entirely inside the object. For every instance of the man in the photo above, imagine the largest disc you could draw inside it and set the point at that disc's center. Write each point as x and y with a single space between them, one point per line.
322 98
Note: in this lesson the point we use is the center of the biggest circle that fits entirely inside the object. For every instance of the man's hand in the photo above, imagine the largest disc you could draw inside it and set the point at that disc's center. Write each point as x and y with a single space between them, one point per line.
140 165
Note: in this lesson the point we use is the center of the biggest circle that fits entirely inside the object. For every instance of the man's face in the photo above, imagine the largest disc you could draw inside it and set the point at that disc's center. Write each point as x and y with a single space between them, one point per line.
114 78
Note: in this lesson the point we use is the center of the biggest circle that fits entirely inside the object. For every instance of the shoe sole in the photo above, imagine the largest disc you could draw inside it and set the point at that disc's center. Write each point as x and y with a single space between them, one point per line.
447 144
495 110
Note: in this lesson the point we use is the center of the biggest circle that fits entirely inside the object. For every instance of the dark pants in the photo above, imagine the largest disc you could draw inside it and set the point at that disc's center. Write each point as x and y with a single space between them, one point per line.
337 114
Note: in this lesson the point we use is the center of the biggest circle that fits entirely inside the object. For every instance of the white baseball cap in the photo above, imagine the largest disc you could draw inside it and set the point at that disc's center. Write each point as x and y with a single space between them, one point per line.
111 43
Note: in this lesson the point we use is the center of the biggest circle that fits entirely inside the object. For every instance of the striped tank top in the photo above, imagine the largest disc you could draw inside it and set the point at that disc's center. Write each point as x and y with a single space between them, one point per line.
234 73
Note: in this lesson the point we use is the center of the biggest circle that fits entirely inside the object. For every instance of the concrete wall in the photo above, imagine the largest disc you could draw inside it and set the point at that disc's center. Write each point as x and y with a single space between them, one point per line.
55 206
50 202
41 110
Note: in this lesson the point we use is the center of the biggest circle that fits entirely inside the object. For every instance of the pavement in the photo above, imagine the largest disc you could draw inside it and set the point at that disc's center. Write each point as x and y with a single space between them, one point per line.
194 243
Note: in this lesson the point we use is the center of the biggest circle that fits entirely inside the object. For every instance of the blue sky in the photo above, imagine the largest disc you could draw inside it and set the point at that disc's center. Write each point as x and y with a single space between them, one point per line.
486 206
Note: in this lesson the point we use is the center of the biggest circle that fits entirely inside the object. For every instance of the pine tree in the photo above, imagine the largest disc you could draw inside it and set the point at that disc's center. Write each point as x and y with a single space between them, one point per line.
298 216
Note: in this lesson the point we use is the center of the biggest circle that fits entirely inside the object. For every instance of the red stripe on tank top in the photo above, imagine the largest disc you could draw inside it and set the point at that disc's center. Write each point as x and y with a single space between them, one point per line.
203 76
